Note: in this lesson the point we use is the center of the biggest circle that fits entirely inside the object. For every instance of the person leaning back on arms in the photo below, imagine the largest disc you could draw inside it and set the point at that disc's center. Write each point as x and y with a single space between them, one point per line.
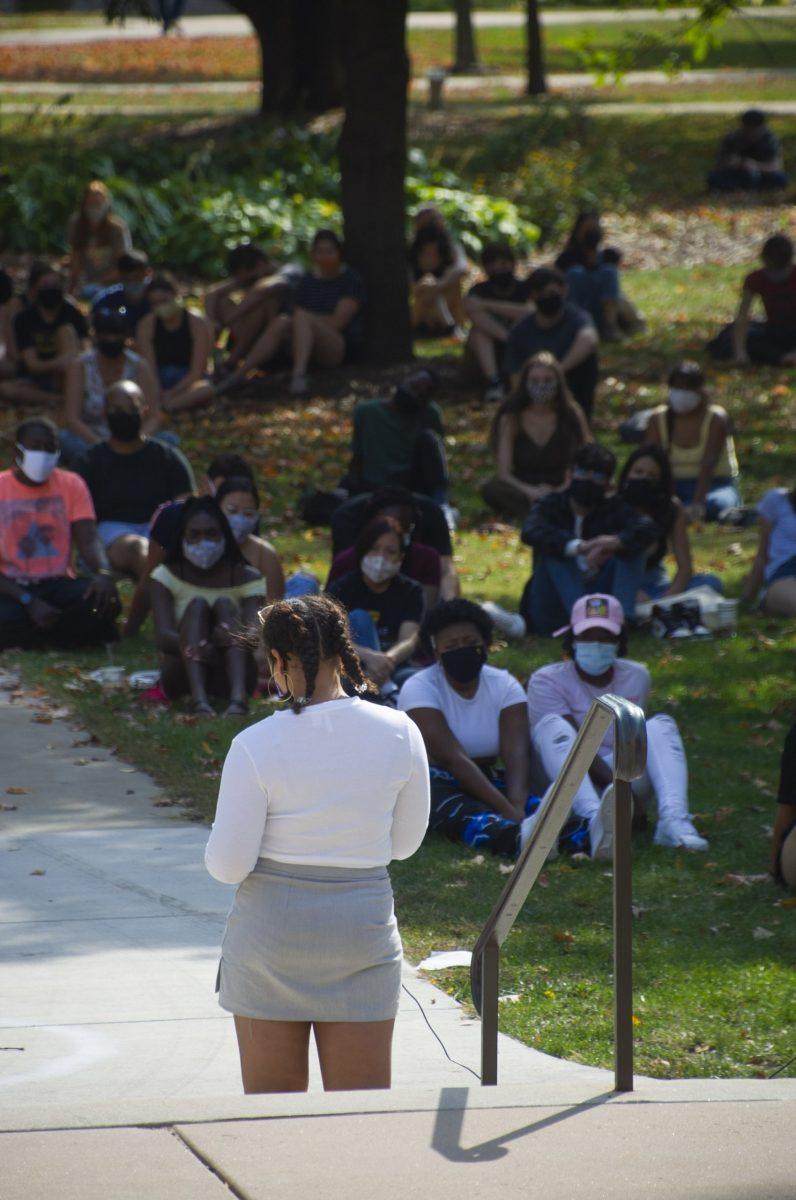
314 802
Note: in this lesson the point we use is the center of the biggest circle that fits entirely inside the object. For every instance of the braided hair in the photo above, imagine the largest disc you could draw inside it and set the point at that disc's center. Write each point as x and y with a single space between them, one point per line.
312 629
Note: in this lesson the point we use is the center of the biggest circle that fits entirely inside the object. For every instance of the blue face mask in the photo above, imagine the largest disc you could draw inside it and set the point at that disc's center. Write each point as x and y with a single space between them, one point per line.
595 658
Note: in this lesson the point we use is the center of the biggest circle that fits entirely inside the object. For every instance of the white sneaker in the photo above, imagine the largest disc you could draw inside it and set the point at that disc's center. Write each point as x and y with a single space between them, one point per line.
679 832
451 516
506 622
601 826
527 827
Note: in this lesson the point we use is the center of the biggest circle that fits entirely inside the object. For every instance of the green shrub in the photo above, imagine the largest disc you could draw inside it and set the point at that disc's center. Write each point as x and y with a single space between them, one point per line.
187 202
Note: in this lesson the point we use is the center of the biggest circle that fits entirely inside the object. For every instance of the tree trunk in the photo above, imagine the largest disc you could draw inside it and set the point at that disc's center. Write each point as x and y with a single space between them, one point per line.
299 55
466 54
537 83
372 152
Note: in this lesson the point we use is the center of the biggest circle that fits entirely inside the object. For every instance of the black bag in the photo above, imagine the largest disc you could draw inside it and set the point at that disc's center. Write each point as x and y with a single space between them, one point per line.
317 508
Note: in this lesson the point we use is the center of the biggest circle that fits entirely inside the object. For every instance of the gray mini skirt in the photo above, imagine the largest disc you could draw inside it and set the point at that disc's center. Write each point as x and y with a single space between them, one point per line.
305 943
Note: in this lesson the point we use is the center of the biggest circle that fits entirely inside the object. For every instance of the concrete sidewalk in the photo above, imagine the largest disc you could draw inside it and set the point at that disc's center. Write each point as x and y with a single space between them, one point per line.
237 26
119 1073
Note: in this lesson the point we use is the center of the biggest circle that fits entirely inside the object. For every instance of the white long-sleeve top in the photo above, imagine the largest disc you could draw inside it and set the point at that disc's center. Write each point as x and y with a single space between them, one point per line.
341 784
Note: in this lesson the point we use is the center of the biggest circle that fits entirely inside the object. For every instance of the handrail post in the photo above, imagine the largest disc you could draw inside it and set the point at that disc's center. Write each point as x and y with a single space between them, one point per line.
623 937
490 985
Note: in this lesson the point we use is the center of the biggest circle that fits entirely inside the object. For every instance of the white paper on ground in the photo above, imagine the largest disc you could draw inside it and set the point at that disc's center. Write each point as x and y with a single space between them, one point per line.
439 959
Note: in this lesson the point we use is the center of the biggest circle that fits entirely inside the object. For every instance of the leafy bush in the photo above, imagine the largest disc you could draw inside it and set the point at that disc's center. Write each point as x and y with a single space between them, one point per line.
188 201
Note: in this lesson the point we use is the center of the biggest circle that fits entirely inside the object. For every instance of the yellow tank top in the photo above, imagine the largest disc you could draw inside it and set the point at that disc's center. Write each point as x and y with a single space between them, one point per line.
183 593
687 460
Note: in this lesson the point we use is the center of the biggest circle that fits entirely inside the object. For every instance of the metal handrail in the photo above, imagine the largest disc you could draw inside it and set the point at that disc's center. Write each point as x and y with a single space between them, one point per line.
630 757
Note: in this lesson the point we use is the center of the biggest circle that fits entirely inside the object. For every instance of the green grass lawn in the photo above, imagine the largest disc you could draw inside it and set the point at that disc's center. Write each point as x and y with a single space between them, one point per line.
712 997
742 42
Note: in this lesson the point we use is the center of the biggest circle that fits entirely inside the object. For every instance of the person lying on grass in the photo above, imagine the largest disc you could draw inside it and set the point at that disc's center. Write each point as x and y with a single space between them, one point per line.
205 600
560 696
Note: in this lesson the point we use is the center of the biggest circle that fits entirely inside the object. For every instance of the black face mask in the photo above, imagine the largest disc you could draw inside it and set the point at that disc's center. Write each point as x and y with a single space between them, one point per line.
586 492
643 493
124 426
592 239
464 664
503 279
111 347
50 297
407 402
550 304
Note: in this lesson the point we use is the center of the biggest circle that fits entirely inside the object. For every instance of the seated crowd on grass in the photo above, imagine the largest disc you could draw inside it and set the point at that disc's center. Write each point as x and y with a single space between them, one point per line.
108 486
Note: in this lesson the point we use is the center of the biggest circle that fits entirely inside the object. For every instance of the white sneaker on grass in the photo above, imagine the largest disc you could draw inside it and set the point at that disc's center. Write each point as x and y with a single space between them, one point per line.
679 833
601 826
509 623
527 827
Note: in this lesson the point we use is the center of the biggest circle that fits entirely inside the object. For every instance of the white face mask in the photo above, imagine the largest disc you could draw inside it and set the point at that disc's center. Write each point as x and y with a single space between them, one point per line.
377 568
681 400
204 554
36 465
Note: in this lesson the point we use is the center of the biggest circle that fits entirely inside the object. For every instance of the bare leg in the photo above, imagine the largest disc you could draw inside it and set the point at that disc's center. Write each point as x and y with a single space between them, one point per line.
426 310
200 392
250 325
26 391
453 298
483 347
129 553
194 629
781 598
354 1054
225 614
274 1055
314 339
263 350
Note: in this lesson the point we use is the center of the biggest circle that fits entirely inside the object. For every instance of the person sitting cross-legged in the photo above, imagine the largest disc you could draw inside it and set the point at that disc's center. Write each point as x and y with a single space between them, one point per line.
129 477
583 539
493 305
47 333
560 696
205 601
45 513
471 716
384 607
399 439
771 341
559 326
749 157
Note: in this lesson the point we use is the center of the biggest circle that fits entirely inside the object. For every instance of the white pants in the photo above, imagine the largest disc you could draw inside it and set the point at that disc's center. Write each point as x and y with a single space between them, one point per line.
666 773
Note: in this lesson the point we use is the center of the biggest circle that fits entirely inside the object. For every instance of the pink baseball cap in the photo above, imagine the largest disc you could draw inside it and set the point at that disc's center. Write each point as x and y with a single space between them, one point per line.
595 612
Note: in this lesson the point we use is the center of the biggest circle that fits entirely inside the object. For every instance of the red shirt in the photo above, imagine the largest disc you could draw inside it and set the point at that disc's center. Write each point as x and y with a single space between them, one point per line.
421 563
36 524
779 299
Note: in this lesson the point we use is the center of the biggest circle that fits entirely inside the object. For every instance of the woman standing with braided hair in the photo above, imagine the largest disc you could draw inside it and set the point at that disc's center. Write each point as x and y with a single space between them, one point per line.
314 802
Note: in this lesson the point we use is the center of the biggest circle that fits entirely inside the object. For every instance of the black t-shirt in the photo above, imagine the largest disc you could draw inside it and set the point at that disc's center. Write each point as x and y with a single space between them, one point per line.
401 601
528 337
129 487
431 528
166 523
765 149
32 329
516 293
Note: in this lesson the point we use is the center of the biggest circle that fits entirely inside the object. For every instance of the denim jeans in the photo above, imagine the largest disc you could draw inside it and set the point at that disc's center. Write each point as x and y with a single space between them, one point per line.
558 582
364 633
655 582
723 493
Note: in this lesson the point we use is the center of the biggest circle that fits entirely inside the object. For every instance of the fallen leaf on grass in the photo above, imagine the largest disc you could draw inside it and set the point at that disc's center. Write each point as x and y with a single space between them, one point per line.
760 934
38 871
17 791
789 903
8 808
734 880
43 719
564 936
505 868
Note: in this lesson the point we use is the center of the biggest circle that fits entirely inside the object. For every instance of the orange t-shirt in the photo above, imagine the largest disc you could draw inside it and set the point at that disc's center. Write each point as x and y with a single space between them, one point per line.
36 524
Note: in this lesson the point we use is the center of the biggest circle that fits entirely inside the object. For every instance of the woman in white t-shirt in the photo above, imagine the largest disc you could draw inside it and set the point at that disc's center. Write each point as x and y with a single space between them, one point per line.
314 803
560 696
471 715
774 568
